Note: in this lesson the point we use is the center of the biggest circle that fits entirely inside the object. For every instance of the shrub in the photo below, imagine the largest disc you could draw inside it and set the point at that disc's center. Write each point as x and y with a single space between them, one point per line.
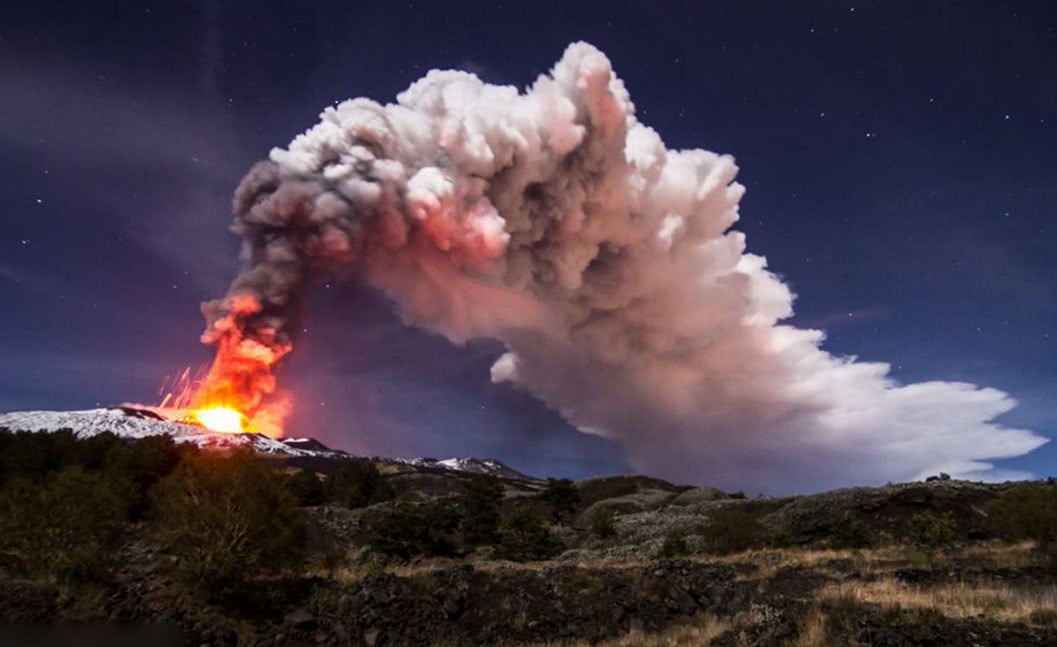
523 537
358 484
306 488
674 546
134 467
152 458
226 518
731 530
562 496
412 530
60 527
33 455
931 530
849 531
603 524
1027 511
480 521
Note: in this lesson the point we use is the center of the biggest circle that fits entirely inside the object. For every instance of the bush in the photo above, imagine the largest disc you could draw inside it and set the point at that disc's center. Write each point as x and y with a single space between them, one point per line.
931 530
849 531
523 537
562 496
674 546
226 518
136 466
358 484
33 455
412 530
306 488
480 521
603 524
1026 512
731 530
61 527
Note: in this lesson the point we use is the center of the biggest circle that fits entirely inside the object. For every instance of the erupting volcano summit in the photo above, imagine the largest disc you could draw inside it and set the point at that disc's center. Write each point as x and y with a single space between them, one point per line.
555 222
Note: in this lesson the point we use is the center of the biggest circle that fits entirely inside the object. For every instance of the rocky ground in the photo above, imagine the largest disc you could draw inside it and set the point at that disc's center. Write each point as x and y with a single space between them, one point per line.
625 588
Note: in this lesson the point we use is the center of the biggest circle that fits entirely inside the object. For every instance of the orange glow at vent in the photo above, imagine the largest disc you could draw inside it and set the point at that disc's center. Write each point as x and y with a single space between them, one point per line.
222 419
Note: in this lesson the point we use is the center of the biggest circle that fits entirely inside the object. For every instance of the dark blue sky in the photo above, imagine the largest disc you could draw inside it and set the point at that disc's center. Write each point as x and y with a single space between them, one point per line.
899 158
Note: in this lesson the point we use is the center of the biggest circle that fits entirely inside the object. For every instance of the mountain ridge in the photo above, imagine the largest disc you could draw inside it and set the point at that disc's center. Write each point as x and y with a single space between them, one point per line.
132 423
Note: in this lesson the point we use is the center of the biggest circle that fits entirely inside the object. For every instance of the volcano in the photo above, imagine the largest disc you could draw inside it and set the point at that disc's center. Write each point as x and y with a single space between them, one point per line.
131 423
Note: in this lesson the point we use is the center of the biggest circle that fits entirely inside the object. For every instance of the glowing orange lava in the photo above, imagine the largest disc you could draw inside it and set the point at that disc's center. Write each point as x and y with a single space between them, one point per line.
237 393
222 419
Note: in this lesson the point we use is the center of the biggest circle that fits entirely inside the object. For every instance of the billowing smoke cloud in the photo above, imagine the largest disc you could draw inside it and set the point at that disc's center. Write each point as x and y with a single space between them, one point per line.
555 222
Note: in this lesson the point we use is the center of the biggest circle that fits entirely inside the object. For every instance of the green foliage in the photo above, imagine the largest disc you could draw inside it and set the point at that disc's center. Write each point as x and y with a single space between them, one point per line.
358 484
674 546
412 530
134 467
523 537
480 520
562 496
781 538
61 526
603 525
731 530
1026 512
931 530
849 531
63 499
226 518
33 455
306 488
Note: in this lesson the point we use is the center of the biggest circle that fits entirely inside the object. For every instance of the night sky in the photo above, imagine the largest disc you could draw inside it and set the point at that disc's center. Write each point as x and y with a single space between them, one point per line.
900 159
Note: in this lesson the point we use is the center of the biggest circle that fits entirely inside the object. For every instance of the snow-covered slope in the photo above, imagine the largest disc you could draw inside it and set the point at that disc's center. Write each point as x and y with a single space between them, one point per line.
132 422
469 465
129 422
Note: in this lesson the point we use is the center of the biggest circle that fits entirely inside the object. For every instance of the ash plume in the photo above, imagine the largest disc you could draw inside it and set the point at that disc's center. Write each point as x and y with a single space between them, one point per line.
554 221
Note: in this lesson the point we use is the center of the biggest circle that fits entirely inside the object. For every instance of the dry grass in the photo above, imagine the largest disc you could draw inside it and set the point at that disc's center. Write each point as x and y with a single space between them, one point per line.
757 563
769 561
1012 556
813 631
700 633
955 600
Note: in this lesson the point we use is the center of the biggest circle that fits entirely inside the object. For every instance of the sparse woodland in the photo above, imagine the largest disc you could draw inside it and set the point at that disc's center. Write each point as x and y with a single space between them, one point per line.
242 549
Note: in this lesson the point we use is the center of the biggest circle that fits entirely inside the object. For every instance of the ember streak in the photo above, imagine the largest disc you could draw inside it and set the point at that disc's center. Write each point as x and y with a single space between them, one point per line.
238 392
241 377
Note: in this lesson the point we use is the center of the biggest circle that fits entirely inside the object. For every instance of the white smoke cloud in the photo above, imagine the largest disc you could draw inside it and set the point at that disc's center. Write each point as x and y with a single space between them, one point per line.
554 221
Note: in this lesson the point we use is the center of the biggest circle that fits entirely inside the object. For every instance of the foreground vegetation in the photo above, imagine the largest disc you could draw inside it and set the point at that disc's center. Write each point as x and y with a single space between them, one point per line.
242 549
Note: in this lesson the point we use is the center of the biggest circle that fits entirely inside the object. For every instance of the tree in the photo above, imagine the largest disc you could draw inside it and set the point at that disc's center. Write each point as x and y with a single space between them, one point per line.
674 546
930 530
523 537
410 530
731 530
61 526
480 521
1026 511
849 531
358 484
226 518
603 524
562 496
306 488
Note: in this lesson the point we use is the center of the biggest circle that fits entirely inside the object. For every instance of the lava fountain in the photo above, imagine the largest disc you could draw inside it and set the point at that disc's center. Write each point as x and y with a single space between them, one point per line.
238 392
